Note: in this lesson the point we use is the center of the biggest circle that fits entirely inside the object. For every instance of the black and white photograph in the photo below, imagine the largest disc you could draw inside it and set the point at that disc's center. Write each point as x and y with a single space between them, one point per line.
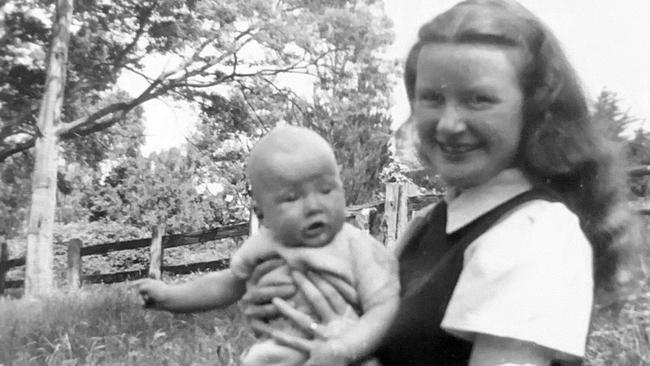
324 182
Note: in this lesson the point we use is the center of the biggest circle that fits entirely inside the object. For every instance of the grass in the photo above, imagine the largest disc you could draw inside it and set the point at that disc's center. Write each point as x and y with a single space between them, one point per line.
622 336
105 325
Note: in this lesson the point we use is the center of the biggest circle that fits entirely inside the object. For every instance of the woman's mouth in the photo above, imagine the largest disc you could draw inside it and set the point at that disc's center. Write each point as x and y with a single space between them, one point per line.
456 148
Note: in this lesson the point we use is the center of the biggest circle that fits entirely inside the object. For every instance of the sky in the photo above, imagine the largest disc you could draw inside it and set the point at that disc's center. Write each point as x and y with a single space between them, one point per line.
607 41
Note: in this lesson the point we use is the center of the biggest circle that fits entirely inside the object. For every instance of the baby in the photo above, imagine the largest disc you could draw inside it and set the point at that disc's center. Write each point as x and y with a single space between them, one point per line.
300 201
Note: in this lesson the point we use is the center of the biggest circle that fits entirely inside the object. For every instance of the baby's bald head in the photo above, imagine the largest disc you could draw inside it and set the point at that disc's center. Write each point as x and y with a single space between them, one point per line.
297 188
286 145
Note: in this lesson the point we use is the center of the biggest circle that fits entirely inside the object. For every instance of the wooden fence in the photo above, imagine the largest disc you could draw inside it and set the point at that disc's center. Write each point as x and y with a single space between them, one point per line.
384 219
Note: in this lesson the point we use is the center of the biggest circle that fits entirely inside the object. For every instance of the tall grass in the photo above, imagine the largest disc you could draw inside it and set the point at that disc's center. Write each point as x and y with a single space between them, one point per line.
105 325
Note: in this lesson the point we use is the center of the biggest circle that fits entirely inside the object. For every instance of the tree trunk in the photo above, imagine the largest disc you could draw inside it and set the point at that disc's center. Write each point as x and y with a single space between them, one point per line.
39 277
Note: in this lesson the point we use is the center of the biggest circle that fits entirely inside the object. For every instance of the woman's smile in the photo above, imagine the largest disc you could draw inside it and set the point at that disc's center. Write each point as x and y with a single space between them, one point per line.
457 149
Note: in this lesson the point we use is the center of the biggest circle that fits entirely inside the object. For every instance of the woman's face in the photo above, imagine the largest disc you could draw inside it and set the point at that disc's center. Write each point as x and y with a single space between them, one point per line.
468 110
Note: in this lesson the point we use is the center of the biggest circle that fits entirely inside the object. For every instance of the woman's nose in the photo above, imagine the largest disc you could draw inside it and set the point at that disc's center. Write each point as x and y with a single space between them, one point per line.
450 121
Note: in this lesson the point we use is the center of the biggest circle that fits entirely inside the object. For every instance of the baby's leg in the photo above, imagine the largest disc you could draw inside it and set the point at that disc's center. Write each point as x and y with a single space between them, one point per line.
268 352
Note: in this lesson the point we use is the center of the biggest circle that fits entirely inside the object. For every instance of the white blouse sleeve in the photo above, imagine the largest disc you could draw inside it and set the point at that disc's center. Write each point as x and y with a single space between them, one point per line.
528 278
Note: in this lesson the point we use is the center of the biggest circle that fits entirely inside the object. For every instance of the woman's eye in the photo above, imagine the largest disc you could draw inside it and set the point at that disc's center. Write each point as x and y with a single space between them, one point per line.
480 100
431 98
326 190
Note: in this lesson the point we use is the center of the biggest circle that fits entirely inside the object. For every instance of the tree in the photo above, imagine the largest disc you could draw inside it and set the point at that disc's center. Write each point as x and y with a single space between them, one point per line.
607 114
617 124
212 44
348 104
85 158
39 278
209 44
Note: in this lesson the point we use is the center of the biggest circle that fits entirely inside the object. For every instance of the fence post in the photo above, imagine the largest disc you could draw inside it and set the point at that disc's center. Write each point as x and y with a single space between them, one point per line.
395 212
253 223
4 256
74 264
155 264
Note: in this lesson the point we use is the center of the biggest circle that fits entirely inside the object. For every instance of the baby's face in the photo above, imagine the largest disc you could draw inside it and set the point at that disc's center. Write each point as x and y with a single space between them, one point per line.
301 199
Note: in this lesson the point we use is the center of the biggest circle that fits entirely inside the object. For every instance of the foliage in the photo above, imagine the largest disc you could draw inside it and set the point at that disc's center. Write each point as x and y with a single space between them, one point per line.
164 188
233 58
638 148
360 142
119 141
405 166
638 153
15 174
83 158
348 103
607 114
206 43
617 125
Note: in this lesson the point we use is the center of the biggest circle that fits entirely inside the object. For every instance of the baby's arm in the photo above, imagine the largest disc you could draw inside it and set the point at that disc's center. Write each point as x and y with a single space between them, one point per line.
211 291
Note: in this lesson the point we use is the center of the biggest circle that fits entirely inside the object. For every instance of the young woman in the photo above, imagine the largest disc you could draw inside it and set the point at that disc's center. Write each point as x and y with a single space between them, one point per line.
503 271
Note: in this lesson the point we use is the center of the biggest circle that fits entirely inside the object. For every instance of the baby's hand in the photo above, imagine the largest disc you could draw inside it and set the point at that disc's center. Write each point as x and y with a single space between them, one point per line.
152 292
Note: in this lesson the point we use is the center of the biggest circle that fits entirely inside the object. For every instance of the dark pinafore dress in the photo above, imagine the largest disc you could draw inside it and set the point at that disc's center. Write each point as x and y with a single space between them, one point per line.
430 265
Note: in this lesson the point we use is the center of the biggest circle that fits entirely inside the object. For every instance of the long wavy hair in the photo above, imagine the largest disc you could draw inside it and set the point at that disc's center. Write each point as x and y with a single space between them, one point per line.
561 147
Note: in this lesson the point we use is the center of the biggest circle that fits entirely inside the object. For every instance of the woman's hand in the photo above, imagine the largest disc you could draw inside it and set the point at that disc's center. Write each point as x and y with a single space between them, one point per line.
257 301
330 307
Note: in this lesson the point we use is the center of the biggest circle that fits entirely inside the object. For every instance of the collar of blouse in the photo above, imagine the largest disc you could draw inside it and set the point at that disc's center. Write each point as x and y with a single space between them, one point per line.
463 208
471 203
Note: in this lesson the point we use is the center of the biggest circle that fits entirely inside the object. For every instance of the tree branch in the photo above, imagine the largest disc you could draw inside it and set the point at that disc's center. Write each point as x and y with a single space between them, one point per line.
143 20
15 148
252 108
94 122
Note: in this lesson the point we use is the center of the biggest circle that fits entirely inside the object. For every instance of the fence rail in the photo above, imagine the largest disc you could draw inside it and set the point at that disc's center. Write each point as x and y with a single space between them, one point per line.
76 251
638 171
